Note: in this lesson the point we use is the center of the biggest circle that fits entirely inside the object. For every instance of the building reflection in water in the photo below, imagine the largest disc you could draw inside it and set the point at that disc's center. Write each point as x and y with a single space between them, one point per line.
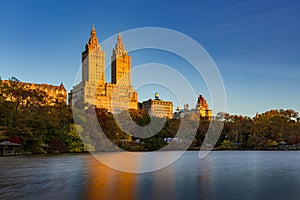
163 185
107 183
204 178
180 180
104 182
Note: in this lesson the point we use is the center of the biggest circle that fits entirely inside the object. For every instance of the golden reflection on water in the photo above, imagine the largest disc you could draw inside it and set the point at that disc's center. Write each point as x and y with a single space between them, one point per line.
107 183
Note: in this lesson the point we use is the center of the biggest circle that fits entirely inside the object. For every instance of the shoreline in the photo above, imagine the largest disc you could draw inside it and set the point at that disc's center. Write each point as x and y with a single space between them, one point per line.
190 150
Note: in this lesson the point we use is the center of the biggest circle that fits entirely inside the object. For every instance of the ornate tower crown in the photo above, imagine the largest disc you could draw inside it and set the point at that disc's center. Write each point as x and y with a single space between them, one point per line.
119 49
93 41
120 64
93 61
201 103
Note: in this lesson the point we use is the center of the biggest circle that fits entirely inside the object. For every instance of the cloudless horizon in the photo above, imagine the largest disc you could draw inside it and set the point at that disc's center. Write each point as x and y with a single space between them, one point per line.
255 44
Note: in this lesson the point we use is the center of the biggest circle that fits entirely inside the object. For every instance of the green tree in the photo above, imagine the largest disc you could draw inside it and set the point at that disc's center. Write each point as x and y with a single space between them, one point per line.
226 144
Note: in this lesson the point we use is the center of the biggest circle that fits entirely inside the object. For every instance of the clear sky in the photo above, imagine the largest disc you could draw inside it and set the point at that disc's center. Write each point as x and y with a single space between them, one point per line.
255 44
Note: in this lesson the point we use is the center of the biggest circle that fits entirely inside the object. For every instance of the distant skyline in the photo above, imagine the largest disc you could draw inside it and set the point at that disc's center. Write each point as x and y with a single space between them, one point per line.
255 44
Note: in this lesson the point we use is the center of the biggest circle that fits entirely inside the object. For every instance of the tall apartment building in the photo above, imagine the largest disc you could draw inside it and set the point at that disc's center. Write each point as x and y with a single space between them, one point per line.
94 90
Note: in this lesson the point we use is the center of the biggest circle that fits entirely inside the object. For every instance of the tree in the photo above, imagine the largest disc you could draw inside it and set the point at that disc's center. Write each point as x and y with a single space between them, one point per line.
226 144
73 139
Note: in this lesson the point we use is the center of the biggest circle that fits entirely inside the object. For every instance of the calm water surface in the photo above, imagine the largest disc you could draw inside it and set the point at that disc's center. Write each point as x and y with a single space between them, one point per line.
221 175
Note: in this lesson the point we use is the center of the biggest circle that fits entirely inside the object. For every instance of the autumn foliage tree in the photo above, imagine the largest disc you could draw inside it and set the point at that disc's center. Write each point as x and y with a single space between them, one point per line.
25 115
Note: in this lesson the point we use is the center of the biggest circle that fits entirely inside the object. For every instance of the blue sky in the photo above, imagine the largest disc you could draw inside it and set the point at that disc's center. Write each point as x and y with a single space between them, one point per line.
255 44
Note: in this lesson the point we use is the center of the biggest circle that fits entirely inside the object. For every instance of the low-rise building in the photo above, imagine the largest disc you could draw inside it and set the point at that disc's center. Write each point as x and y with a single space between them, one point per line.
54 94
201 108
158 108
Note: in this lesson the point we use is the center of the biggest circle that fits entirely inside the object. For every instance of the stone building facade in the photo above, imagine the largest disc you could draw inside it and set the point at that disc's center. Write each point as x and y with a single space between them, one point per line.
158 108
54 94
94 90
202 108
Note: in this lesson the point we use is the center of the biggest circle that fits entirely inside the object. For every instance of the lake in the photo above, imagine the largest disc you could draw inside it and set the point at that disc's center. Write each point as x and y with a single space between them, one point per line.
221 175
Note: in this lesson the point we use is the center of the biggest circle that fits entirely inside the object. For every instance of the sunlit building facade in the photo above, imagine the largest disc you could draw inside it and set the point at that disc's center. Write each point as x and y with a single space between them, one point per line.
201 108
158 108
94 90
54 94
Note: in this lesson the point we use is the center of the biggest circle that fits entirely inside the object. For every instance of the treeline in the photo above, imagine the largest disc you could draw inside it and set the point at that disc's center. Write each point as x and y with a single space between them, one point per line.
25 118
265 131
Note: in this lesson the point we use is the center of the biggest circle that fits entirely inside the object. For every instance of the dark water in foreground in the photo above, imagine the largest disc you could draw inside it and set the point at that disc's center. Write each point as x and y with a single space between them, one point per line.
221 175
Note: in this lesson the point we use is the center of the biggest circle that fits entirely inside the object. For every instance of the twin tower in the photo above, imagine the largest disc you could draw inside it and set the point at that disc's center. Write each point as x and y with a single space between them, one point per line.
93 90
